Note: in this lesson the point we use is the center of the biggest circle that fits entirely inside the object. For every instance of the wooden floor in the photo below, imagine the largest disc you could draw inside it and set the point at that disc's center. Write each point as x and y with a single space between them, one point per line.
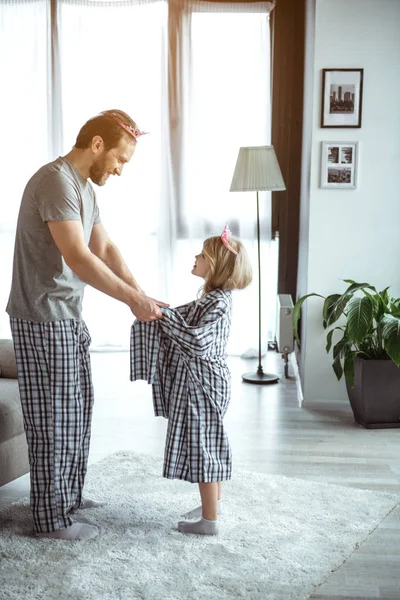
269 433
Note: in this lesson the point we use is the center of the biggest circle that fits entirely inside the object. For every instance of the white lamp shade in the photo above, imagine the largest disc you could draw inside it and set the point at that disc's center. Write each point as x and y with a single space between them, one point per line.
257 169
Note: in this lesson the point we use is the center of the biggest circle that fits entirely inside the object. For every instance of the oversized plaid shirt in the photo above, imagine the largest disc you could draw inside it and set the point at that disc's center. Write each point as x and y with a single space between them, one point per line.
189 340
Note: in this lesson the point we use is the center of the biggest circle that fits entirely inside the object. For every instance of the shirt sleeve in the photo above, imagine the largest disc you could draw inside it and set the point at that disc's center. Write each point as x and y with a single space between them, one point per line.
184 309
58 199
194 340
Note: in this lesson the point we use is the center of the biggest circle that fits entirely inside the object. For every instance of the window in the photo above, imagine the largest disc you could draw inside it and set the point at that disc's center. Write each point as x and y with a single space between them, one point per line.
175 191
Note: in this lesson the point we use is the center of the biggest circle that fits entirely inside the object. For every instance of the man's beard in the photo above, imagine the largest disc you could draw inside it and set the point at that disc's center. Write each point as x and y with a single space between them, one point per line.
97 171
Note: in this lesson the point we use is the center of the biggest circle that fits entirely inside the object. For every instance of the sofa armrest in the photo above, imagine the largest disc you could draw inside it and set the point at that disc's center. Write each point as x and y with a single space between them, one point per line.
8 365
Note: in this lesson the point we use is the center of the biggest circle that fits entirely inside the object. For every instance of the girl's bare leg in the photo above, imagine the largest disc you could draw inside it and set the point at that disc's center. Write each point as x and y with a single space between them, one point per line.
209 499
198 511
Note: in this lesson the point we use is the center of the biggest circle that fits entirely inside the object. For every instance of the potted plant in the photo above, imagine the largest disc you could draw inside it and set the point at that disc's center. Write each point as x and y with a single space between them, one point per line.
367 351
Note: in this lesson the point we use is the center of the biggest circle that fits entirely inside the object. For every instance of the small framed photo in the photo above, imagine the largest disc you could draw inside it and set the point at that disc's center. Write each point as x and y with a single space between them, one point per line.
341 104
339 165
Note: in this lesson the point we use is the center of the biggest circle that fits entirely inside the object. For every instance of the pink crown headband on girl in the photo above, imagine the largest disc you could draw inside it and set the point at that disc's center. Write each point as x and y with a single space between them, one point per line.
225 237
135 133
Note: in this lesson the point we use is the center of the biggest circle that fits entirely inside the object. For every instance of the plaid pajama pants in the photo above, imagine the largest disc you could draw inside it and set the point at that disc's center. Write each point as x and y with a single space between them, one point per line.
54 377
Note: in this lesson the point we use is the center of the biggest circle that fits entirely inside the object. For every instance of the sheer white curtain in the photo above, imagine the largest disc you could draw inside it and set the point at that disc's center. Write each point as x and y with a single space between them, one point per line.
113 55
221 101
24 108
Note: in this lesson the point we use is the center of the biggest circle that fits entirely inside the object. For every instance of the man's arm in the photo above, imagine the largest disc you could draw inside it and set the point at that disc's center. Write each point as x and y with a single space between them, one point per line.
68 236
101 245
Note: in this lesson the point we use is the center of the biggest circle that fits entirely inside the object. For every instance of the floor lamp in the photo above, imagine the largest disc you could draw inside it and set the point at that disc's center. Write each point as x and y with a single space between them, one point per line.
257 169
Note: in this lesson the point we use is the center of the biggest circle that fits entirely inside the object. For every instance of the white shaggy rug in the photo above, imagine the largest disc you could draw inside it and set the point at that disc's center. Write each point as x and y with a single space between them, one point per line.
279 538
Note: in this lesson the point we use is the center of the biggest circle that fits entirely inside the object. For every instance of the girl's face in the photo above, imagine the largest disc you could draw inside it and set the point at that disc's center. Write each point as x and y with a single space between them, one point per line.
201 266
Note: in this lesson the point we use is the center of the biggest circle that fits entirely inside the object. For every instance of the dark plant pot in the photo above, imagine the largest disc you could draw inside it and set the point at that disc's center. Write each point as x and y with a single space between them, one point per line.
375 397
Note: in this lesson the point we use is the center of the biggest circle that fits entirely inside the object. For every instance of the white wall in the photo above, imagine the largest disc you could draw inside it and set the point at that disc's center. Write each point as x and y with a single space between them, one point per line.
350 234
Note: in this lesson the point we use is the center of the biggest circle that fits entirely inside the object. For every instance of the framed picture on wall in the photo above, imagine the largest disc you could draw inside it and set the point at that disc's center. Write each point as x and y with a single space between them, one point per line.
339 165
341 104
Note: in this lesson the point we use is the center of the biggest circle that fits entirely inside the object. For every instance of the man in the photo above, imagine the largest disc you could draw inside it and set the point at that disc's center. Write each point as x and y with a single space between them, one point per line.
60 247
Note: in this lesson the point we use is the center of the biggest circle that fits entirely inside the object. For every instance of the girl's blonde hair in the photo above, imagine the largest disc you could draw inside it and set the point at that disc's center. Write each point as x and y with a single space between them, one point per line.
228 271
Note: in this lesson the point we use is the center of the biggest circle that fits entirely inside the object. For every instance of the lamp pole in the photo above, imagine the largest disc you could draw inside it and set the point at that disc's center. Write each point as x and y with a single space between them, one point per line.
260 376
259 369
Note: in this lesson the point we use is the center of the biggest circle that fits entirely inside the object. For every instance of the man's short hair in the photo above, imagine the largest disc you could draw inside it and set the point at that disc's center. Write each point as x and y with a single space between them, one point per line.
105 125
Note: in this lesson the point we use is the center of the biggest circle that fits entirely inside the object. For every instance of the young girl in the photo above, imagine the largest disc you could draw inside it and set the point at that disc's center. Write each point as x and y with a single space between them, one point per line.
183 356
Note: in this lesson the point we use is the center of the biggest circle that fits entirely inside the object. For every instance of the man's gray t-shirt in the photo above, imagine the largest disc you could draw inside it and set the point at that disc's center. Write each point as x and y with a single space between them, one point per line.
43 287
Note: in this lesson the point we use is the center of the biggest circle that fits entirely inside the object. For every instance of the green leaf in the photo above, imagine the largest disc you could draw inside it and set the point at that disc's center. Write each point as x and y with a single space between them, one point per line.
337 309
359 318
297 312
394 307
337 367
391 337
380 306
335 304
385 296
354 287
329 307
338 349
329 337
329 341
395 302
370 296
349 367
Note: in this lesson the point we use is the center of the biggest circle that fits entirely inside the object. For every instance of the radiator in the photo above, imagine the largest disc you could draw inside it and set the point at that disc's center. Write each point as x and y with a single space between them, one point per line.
284 327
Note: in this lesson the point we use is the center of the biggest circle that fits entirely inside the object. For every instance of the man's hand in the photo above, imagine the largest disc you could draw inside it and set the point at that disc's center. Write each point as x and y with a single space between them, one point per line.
146 308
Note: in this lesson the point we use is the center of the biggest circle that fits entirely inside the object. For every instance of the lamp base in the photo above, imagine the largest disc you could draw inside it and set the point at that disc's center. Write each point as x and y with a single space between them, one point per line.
260 378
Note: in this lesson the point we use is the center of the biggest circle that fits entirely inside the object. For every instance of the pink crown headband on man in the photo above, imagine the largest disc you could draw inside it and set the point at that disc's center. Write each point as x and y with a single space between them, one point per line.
135 133
225 237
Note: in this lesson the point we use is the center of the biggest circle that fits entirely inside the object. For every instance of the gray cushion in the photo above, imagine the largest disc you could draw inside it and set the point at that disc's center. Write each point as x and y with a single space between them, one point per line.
11 423
13 459
8 365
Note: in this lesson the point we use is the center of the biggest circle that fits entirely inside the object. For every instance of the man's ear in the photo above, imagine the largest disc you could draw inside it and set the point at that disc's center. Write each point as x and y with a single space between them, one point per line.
97 144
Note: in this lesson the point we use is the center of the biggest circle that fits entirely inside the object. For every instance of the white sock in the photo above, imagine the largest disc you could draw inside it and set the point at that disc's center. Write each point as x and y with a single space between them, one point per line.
77 532
202 527
198 511
90 503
